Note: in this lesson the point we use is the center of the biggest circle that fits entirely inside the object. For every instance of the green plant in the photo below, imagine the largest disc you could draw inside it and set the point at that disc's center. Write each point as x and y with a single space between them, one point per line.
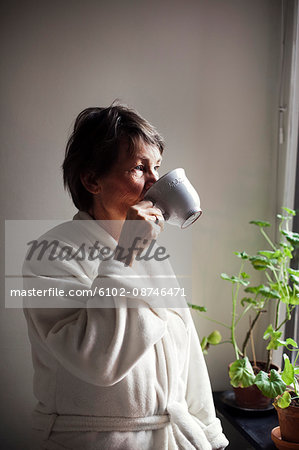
214 337
281 385
281 286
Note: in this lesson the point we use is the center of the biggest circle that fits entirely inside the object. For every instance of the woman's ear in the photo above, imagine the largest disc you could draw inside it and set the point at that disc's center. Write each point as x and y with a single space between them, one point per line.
91 182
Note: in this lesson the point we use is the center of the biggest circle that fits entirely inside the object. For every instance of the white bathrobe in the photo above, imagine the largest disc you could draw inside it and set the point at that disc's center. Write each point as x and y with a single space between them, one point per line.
127 376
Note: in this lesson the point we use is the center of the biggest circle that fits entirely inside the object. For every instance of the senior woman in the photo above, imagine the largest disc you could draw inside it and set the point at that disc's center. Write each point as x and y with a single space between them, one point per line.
114 370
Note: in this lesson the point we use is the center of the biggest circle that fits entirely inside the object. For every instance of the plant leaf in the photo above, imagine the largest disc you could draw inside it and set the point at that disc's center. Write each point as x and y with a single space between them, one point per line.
292 237
268 332
226 277
242 255
271 255
265 291
248 300
272 385
261 224
260 262
294 279
290 341
254 289
197 307
274 337
241 373
245 275
214 338
284 400
290 211
203 343
294 276
234 279
293 271
287 249
294 300
288 371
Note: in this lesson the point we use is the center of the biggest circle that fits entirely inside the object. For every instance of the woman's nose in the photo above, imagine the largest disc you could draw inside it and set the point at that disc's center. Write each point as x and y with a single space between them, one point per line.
153 176
156 175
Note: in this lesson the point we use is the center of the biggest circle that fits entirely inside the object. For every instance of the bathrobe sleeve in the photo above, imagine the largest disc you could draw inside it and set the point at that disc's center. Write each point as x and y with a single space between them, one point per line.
199 395
98 345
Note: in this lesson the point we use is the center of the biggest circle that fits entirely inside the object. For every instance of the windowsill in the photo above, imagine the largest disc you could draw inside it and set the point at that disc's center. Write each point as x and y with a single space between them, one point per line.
254 427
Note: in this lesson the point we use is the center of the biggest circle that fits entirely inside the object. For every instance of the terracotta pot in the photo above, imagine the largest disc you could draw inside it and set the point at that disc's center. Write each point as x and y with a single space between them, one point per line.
289 423
251 397
280 443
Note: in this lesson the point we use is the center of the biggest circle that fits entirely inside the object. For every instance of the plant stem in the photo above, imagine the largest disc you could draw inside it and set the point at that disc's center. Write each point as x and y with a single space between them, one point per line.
276 315
286 318
268 277
252 344
243 313
213 320
268 239
247 337
296 356
269 360
233 322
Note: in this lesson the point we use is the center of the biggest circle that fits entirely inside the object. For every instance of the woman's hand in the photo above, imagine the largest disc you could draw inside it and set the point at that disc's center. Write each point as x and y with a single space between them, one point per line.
143 224
145 210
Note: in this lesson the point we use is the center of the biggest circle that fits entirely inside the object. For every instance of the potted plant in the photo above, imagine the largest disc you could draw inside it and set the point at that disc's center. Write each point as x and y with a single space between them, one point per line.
287 403
280 287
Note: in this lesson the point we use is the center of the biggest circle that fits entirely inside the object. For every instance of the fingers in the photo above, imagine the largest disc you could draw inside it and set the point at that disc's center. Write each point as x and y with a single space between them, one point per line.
159 223
144 222
158 218
154 215
145 210
145 203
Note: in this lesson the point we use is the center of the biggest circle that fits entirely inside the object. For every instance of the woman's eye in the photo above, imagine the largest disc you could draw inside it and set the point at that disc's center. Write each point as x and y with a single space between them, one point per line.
157 168
140 167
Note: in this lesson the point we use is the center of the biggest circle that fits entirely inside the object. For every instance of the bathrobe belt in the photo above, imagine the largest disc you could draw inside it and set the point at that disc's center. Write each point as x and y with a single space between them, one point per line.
183 424
62 422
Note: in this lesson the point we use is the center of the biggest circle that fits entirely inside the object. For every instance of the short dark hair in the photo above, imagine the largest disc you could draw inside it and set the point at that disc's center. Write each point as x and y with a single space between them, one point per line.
94 145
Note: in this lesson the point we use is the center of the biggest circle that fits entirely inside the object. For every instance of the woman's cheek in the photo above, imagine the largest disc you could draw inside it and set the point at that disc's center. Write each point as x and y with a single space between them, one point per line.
136 174
136 181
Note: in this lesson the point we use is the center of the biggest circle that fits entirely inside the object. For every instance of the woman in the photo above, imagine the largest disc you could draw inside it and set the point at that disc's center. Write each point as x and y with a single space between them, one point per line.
115 370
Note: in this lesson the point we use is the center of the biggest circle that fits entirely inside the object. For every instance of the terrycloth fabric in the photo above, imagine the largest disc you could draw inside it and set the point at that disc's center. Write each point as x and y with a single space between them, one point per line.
131 363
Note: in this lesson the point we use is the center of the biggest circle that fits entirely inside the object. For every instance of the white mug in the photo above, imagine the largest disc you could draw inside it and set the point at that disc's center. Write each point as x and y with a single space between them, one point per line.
177 199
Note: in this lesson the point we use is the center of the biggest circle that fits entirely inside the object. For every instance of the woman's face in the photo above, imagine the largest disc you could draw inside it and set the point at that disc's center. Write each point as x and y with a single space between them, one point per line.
128 180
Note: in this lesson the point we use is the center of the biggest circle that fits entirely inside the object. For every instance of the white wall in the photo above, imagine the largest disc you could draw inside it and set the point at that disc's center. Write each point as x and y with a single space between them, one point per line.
205 73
